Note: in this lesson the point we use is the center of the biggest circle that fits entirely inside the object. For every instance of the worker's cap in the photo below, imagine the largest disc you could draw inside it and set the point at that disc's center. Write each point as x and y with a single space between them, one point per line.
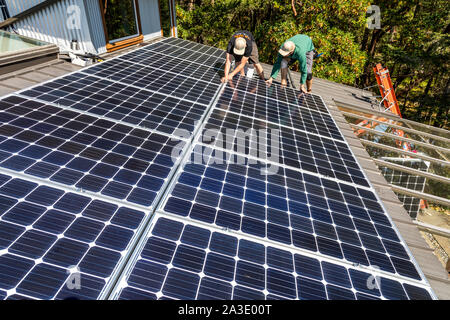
239 46
287 48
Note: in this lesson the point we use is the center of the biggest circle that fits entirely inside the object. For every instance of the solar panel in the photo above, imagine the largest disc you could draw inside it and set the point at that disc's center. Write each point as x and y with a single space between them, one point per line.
299 210
407 180
150 78
284 113
50 236
79 150
116 101
90 155
182 260
297 149
162 53
276 96
189 45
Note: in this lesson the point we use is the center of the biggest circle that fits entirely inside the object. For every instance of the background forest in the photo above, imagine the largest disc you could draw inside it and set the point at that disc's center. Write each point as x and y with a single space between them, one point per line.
413 41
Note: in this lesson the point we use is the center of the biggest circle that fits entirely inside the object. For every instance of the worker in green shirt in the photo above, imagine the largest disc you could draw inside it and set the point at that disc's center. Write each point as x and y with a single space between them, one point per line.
301 48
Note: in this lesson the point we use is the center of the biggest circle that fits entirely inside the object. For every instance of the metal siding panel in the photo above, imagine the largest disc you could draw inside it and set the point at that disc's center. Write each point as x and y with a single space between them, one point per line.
96 25
50 24
149 14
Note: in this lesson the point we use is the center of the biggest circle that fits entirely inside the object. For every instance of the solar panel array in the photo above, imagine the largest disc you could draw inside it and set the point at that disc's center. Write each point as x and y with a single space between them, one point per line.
89 189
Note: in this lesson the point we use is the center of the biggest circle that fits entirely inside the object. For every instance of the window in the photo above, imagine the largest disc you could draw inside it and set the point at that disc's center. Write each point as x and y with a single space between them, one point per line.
121 23
166 21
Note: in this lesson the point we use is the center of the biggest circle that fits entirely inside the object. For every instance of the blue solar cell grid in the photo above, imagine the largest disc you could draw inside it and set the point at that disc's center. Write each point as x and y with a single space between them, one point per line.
120 102
182 66
297 149
299 210
276 95
150 78
47 235
177 43
296 234
83 151
280 111
184 261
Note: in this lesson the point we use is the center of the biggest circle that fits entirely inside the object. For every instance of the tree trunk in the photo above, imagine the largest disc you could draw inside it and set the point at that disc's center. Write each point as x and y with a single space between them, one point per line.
365 39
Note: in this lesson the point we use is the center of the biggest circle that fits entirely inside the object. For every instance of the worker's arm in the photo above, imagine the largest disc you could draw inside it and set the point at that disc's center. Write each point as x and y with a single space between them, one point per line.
303 68
227 68
238 68
275 69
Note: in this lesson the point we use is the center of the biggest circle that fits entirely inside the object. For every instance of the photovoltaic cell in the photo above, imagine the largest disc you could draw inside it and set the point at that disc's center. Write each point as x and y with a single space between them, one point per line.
93 154
223 267
48 236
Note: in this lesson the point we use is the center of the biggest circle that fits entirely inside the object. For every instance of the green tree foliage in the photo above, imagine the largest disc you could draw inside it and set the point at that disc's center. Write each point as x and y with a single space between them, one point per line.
272 22
412 42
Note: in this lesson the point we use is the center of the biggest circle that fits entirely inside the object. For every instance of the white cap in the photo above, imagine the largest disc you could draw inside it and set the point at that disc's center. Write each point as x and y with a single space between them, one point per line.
239 46
287 48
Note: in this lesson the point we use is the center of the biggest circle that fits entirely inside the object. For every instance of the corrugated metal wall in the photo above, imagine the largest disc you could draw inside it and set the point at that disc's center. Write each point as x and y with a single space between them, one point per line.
17 6
151 26
54 24
59 23
95 21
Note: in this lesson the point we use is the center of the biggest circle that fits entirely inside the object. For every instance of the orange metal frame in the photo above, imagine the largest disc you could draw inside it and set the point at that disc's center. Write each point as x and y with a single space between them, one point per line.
386 89
390 102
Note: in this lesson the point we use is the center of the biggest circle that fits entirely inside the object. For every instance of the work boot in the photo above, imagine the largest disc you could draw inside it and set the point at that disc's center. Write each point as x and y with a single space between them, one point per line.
309 85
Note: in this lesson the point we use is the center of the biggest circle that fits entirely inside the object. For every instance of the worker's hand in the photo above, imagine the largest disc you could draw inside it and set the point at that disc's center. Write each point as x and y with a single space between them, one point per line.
302 88
269 81
230 77
224 80
283 83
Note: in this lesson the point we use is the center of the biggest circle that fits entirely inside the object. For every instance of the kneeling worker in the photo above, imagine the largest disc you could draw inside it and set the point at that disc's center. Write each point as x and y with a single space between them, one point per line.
242 47
301 48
